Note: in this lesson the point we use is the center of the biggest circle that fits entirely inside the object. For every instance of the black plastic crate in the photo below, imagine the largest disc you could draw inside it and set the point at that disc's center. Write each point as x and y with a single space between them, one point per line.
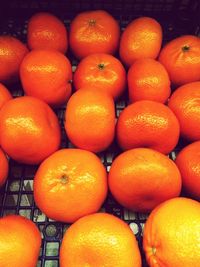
177 17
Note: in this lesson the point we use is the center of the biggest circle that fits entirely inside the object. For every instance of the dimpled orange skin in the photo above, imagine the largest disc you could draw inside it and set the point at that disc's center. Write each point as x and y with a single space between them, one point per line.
20 242
46 31
5 95
188 162
69 184
93 32
29 130
148 124
47 74
90 120
142 38
184 102
3 167
99 240
148 80
181 58
12 52
142 178
171 234
103 72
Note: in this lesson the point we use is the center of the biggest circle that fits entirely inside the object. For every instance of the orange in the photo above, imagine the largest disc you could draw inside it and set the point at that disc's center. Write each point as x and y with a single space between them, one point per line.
90 119
142 38
148 124
20 242
3 168
103 72
69 184
142 178
47 74
46 31
148 80
11 56
181 58
29 130
188 162
5 95
171 234
93 32
184 102
99 240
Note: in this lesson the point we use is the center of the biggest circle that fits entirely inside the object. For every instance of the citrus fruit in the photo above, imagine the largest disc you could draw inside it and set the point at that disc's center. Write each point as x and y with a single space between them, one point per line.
69 184
20 242
184 102
103 72
46 31
29 130
148 124
148 80
5 95
90 120
142 178
11 56
142 38
99 240
181 58
171 234
188 162
3 168
93 32
47 74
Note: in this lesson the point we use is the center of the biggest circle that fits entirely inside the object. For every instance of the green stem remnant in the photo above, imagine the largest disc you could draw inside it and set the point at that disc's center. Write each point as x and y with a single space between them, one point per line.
101 66
185 48
64 179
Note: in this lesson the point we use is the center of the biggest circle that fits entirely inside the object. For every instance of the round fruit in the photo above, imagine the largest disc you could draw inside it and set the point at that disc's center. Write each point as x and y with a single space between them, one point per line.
69 184
171 234
3 168
181 58
148 124
47 74
94 32
103 72
148 80
99 240
5 95
142 178
29 130
46 31
184 102
90 120
11 56
142 38
188 162
20 242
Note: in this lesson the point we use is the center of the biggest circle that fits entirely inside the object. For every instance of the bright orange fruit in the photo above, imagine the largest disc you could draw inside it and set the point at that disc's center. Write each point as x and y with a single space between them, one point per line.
171 234
20 242
46 31
102 72
69 184
181 58
90 119
94 32
99 240
148 124
29 130
148 80
142 38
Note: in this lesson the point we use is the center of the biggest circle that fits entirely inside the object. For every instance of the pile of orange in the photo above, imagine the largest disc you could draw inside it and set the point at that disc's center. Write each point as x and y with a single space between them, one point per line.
71 184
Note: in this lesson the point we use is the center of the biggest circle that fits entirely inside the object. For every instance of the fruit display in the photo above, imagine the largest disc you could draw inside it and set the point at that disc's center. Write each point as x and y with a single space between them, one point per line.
99 134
